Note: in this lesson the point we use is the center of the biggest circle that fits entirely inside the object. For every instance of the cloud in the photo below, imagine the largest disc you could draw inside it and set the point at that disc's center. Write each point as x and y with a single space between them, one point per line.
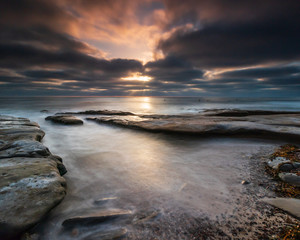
28 13
217 34
219 45
205 12
263 72
39 59
74 47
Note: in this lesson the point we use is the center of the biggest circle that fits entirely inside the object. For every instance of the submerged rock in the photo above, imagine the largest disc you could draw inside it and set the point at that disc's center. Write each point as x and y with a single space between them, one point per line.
290 178
107 235
31 183
290 205
244 113
67 120
98 217
44 111
101 201
146 217
101 112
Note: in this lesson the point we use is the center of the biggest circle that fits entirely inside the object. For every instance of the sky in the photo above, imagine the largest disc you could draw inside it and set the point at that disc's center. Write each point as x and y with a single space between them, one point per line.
245 48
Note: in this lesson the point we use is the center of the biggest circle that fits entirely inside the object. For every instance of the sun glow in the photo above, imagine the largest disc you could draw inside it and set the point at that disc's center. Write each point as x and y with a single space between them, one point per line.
146 104
137 77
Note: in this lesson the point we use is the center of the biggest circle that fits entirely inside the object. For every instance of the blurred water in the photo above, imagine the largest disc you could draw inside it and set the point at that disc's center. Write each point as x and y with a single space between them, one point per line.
143 170
151 105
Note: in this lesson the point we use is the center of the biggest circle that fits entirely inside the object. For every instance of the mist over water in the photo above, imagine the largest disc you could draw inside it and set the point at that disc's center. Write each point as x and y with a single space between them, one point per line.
144 172
153 105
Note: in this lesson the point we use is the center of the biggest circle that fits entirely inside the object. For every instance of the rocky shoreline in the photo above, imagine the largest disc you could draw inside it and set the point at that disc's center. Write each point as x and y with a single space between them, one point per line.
257 124
32 184
223 122
31 177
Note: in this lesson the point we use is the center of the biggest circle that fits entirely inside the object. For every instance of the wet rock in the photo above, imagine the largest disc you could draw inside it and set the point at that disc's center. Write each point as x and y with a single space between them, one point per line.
290 178
286 167
296 165
23 148
258 126
59 164
244 113
58 158
107 235
29 189
146 216
20 131
44 111
75 232
31 183
102 112
61 168
95 218
12 129
101 201
290 205
276 162
28 236
67 120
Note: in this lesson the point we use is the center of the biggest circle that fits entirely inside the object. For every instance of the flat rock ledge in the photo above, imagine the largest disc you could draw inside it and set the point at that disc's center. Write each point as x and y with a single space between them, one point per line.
66 120
31 177
100 112
258 124
290 205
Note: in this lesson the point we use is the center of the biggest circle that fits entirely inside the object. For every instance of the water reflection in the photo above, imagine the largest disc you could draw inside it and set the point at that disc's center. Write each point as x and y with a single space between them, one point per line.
146 103
143 170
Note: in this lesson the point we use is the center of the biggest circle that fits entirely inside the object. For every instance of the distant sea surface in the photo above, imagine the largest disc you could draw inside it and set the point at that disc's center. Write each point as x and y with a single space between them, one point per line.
174 176
26 106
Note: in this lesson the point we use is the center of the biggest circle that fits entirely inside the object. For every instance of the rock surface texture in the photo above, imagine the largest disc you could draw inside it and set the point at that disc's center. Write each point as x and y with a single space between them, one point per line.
262 124
100 112
31 177
67 120
291 205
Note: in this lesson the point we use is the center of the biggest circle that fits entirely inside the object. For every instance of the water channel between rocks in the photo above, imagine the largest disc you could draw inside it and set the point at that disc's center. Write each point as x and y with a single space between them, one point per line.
171 177
175 186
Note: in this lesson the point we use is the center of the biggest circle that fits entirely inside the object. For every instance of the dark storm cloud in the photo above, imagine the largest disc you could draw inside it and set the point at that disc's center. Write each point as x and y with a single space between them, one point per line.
44 47
183 76
252 43
37 51
235 35
172 69
42 37
168 62
223 45
37 54
28 13
208 11
263 72
290 81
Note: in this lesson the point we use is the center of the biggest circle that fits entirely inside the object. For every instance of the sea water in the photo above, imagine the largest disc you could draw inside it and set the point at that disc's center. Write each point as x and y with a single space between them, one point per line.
143 172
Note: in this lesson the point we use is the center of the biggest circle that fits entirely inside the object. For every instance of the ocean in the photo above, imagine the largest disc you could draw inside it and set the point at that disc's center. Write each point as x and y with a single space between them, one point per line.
169 178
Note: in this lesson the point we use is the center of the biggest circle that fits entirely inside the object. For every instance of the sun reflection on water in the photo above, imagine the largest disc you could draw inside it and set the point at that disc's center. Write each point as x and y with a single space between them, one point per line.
146 103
